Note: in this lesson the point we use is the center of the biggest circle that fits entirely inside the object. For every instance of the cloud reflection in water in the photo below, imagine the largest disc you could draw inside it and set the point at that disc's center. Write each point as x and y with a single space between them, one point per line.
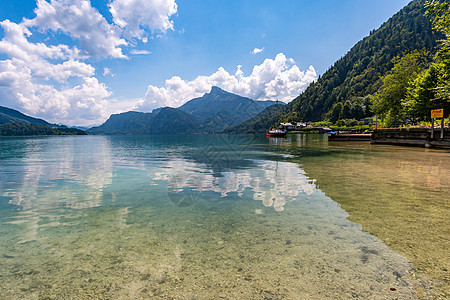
273 183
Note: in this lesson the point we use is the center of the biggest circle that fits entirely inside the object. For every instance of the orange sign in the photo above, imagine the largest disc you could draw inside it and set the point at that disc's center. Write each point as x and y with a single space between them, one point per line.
437 113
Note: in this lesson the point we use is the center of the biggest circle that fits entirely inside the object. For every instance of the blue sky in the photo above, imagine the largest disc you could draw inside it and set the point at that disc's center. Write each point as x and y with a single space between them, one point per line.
77 61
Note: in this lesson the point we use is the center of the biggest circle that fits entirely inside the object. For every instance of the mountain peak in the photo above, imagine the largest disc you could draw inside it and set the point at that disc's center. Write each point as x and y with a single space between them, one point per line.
216 90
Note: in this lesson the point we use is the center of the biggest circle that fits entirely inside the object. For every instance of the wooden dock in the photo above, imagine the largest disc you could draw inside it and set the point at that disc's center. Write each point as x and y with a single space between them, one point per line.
418 137
350 137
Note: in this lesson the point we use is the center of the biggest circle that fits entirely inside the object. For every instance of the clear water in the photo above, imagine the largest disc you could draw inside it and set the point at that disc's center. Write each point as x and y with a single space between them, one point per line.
182 217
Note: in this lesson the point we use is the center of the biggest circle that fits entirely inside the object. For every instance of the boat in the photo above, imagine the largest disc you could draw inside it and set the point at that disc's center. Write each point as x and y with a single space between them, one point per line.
277 133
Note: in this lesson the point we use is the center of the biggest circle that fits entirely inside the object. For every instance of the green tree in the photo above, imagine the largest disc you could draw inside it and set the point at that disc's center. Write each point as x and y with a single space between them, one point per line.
357 73
335 112
422 94
439 10
360 107
389 100
346 110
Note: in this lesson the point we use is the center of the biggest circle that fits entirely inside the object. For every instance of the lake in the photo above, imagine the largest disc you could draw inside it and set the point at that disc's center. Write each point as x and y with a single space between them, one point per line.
221 216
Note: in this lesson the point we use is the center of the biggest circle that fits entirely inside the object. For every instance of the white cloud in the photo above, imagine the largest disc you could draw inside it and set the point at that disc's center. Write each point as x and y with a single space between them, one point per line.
34 58
15 44
140 52
274 79
52 81
257 50
81 103
107 71
45 81
136 15
119 105
78 19
98 38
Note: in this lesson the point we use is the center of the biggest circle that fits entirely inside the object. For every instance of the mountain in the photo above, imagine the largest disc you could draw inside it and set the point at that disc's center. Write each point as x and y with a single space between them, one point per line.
161 121
357 75
174 121
219 109
15 123
212 113
257 124
131 122
84 128
8 115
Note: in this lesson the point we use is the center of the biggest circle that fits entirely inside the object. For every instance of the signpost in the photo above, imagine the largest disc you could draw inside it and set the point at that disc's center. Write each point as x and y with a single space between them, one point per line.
437 114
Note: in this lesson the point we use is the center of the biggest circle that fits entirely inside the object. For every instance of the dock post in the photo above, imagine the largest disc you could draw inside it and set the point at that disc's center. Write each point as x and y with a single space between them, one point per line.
442 128
432 128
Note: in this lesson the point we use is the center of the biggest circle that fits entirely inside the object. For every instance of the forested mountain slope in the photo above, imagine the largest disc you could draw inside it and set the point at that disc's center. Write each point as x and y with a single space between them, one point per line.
9 115
356 75
15 123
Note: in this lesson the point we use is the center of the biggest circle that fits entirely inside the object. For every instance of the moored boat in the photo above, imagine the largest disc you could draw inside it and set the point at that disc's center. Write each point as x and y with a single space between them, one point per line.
277 133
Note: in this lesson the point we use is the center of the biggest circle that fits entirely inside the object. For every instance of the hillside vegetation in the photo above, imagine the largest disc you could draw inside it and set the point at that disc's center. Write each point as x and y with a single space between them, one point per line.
15 123
418 82
345 90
